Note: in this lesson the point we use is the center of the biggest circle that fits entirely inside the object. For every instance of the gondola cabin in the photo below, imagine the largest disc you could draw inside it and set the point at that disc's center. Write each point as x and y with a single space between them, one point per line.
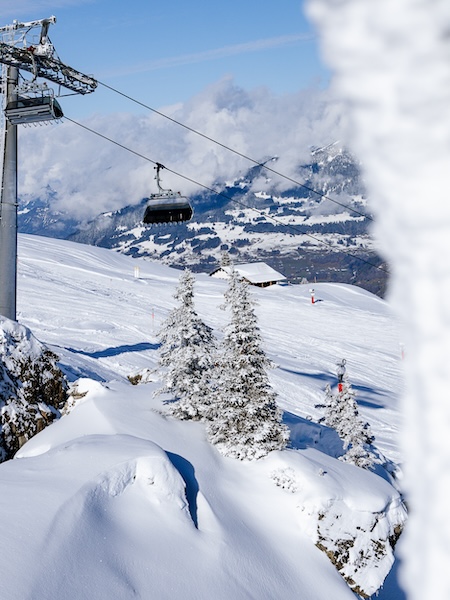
33 110
168 209
166 206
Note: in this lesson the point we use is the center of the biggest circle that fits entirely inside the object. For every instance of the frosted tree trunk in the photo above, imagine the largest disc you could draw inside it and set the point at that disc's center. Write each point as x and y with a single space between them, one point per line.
391 60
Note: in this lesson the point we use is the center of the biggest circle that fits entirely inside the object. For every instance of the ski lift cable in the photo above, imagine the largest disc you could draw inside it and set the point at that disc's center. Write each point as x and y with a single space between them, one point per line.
255 162
229 198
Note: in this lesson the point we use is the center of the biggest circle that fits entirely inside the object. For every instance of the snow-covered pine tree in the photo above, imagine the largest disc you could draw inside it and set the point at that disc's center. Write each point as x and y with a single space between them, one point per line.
245 421
355 434
225 259
331 408
342 415
187 354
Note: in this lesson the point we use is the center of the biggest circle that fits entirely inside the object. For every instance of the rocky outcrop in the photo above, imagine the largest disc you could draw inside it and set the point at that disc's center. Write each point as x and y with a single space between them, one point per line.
352 515
363 552
33 388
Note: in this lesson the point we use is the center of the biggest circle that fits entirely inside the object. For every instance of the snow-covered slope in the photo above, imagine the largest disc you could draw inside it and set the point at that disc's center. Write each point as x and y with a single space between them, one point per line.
116 500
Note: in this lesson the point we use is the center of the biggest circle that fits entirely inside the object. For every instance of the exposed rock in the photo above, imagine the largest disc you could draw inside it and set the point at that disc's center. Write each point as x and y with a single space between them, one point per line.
354 516
363 553
33 388
143 376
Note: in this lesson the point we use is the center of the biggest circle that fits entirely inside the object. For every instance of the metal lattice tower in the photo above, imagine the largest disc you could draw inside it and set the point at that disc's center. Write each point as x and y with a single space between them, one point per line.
26 103
2 117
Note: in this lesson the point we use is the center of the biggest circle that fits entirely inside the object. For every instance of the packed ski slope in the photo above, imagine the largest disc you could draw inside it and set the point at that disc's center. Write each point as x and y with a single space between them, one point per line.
115 500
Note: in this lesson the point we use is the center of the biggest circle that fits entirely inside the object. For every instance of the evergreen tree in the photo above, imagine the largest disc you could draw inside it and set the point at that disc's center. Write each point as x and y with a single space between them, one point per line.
342 415
355 434
187 354
225 259
245 421
332 409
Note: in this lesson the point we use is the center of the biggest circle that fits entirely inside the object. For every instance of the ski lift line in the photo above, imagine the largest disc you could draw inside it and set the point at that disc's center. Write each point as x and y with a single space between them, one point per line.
105 137
255 162
240 203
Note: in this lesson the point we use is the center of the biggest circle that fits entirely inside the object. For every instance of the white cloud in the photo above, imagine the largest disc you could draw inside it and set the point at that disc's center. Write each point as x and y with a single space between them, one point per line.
91 175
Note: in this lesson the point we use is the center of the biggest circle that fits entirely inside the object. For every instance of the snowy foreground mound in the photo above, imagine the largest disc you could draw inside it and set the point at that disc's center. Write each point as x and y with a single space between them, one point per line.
117 500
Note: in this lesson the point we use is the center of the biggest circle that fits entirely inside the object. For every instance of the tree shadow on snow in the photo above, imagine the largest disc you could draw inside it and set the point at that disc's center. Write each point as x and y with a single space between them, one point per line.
376 392
117 350
307 434
187 472
329 378
326 377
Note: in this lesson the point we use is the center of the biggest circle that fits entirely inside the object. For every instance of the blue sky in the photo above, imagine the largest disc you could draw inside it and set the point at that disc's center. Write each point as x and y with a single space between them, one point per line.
163 53
245 73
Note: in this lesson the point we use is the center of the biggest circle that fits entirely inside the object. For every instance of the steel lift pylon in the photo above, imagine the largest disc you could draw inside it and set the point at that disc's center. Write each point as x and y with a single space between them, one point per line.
27 103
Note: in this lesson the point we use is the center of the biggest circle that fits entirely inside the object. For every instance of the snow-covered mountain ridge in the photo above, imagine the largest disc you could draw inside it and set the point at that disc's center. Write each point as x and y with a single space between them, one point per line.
313 230
128 502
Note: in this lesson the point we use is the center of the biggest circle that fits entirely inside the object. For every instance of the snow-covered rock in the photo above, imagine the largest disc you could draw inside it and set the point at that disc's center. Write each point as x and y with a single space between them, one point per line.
352 516
32 386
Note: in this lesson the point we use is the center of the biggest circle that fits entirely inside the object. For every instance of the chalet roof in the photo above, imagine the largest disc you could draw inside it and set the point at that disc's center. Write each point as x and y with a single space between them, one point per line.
255 273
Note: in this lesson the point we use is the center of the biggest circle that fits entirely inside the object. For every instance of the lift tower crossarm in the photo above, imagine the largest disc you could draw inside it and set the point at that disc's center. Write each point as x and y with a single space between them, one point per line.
48 68
16 25
40 59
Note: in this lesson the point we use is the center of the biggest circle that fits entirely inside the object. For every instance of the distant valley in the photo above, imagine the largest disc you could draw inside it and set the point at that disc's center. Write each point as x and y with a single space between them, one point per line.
317 229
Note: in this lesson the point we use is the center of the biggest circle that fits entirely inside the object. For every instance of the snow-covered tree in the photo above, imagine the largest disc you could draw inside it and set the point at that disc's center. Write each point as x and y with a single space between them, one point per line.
32 387
245 421
187 354
342 415
352 430
331 408
225 259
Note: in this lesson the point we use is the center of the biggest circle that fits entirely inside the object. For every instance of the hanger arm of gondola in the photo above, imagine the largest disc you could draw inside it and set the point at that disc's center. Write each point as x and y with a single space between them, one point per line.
159 167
